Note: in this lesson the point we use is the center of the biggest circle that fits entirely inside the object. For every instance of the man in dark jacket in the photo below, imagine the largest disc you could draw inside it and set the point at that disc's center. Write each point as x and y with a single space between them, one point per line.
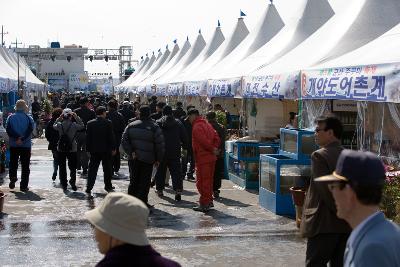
219 164
52 137
86 115
175 138
126 111
143 141
159 108
101 146
153 104
119 124
188 155
327 234
179 112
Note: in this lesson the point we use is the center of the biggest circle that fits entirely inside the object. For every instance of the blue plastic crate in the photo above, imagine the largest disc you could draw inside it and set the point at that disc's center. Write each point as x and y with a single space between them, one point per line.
297 144
277 174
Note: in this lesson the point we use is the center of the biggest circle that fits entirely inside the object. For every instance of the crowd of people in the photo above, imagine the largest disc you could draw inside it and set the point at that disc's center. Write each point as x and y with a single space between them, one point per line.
341 217
85 131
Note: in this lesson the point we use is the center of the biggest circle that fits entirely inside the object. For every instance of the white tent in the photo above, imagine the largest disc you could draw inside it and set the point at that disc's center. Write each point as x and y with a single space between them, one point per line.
238 35
354 25
191 55
216 41
9 70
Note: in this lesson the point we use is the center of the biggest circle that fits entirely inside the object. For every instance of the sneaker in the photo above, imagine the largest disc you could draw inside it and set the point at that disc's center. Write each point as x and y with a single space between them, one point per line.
201 208
74 188
211 205
25 189
216 194
190 178
109 189
88 192
159 193
54 177
12 185
178 197
153 183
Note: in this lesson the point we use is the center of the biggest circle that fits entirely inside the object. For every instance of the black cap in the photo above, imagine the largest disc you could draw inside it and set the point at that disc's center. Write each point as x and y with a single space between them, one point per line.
363 168
193 111
167 110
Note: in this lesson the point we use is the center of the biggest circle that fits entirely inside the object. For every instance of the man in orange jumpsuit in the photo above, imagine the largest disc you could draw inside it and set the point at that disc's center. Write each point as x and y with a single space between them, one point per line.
205 142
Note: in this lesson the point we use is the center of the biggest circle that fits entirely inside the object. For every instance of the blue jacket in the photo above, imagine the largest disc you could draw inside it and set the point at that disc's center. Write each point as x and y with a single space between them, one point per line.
377 244
21 125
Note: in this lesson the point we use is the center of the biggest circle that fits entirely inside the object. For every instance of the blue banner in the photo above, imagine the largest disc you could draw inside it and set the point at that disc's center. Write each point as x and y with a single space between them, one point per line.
224 88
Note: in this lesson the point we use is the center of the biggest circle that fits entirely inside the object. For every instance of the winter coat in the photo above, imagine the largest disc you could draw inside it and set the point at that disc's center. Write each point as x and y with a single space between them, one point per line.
20 125
132 255
52 135
204 140
71 129
118 123
127 113
145 139
100 136
222 136
175 136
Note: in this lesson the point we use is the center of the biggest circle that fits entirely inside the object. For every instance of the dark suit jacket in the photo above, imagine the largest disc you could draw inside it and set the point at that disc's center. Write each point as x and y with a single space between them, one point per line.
100 136
319 212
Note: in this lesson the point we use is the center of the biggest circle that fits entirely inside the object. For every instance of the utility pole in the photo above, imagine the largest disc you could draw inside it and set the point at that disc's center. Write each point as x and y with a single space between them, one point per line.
19 85
2 35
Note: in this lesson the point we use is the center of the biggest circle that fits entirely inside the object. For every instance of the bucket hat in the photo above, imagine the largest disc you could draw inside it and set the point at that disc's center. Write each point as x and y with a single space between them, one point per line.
123 217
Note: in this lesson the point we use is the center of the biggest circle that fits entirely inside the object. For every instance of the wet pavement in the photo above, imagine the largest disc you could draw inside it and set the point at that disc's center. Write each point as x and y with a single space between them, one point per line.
46 227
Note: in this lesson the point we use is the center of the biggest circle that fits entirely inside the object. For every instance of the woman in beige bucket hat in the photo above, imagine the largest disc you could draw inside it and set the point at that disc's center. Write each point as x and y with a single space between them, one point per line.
120 223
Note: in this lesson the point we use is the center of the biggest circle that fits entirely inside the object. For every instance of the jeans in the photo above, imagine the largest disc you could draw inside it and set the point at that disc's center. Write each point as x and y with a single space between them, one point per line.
24 155
174 167
106 160
55 162
188 158
62 161
140 179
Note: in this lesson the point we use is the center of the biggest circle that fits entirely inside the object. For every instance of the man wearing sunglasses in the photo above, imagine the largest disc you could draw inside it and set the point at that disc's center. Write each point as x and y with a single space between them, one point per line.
326 234
357 186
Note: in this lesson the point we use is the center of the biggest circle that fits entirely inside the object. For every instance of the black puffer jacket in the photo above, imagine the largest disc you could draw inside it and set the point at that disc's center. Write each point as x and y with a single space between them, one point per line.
175 136
145 139
52 135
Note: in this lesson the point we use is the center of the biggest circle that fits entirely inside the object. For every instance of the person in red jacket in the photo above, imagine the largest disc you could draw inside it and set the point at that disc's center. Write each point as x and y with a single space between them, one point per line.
205 142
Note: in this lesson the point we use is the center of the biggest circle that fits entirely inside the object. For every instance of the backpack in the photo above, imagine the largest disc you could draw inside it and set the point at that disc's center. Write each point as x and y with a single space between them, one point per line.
64 144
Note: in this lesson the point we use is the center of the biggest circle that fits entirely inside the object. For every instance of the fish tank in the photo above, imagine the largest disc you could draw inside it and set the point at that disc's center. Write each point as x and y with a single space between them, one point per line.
278 173
297 144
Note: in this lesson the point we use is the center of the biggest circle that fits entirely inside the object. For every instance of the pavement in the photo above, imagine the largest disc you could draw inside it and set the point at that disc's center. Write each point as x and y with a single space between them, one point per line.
45 227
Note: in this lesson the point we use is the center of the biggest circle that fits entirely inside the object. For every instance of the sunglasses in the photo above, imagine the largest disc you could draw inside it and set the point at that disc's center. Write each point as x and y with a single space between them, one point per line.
339 185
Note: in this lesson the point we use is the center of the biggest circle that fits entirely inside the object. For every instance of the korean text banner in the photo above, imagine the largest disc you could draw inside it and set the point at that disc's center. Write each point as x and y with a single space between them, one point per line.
225 88
161 89
280 86
175 89
376 83
195 88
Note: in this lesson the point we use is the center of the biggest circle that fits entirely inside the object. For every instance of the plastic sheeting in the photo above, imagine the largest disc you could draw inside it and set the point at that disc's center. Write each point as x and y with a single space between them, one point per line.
378 130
